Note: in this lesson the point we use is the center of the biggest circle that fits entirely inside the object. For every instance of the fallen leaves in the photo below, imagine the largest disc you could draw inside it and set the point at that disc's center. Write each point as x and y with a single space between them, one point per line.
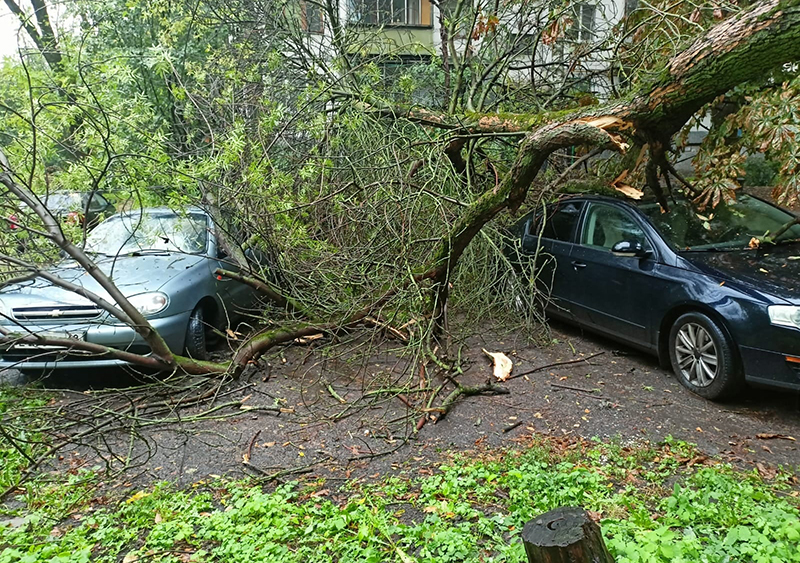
138 496
765 471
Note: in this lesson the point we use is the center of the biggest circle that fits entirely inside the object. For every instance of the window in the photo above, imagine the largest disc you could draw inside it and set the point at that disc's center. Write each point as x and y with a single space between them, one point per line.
97 203
391 12
313 17
583 17
525 43
561 223
606 225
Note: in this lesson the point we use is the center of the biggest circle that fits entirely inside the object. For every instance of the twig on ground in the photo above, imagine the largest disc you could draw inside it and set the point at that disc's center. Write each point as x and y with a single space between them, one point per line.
380 454
555 364
571 388
249 453
487 388
335 395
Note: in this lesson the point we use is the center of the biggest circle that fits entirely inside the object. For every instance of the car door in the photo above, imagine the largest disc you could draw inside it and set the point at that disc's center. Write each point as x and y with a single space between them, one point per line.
614 291
236 297
548 239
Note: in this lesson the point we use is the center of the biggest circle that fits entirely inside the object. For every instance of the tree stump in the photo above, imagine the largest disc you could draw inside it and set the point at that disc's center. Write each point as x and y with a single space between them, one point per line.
564 535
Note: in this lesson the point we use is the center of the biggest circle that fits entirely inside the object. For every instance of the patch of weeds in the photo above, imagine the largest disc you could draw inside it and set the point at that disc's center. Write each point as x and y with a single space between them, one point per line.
20 443
471 509
718 514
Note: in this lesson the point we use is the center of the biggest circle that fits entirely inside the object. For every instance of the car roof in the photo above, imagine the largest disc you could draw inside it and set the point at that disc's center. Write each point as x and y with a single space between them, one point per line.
164 209
605 198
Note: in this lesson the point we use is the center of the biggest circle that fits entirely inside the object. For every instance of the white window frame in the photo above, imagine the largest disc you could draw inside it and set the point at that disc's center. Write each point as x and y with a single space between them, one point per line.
579 31
376 11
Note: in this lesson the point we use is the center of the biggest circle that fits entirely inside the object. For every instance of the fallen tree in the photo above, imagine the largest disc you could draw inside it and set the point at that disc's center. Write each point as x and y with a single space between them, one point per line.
740 49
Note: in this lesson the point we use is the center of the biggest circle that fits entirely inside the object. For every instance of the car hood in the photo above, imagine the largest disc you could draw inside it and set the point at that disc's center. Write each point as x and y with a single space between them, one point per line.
132 275
774 269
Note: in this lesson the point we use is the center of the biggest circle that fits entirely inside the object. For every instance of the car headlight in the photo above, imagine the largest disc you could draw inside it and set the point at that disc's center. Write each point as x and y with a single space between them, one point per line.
784 315
149 303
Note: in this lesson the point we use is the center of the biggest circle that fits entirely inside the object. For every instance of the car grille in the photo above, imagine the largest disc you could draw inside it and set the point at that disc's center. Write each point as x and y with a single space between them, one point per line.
66 312
47 355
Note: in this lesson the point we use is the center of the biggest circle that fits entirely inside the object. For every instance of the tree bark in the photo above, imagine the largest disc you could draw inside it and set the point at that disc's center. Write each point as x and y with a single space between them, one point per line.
564 535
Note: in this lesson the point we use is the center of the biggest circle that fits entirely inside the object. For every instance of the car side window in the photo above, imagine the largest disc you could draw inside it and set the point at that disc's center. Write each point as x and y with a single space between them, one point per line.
97 203
560 221
606 225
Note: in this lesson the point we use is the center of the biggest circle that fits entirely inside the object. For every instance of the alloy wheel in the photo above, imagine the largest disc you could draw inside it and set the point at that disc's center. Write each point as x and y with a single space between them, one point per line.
696 354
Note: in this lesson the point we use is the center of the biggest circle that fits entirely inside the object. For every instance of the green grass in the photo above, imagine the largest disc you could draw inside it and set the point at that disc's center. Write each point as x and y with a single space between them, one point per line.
656 504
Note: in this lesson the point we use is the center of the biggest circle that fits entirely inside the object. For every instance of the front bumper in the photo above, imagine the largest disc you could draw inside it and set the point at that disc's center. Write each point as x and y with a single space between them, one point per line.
172 329
770 356
775 369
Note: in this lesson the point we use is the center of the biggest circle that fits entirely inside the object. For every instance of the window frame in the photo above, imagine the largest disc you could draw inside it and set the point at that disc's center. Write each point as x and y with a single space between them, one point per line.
647 242
305 7
358 11
578 32
535 226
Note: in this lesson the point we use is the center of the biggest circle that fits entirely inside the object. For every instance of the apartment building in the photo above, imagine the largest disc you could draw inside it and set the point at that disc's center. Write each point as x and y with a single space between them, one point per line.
402 32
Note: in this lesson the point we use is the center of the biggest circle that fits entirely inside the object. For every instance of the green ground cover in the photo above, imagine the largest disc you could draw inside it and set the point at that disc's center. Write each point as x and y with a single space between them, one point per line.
664 502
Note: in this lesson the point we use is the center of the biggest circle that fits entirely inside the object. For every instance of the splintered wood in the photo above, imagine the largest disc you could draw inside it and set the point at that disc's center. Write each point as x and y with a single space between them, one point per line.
502 364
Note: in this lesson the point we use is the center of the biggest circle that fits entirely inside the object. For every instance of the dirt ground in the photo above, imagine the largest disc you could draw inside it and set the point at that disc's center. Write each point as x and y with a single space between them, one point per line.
338 420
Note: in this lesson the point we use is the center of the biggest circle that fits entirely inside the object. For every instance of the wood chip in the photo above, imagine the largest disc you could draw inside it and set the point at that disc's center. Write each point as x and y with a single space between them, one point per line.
502 364
629 191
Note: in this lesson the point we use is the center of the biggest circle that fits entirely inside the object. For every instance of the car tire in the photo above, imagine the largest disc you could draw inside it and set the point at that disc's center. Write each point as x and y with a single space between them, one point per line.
196 342
703 357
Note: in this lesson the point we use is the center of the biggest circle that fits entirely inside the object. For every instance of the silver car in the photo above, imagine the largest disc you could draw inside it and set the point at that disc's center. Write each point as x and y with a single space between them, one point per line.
163 261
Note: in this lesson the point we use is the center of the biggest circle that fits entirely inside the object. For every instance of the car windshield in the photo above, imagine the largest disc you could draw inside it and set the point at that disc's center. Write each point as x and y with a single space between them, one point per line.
63 201
150 231
722 228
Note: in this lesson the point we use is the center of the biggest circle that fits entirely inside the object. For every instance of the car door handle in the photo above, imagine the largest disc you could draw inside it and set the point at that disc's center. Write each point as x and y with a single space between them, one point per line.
576 264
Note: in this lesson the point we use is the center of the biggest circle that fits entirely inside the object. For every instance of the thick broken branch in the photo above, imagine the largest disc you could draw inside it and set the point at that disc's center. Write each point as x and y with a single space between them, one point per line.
487 388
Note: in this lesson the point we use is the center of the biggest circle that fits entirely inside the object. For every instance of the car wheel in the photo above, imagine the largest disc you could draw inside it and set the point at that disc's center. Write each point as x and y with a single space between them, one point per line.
195 345
703 357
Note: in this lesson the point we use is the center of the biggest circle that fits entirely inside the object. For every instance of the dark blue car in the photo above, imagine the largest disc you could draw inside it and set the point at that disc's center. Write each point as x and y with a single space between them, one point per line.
692 287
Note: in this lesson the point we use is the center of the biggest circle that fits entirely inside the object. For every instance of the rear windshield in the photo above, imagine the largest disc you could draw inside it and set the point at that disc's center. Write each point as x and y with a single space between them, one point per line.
64 202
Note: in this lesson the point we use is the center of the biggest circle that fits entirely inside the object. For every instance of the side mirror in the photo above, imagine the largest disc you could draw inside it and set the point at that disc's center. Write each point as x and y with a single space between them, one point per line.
630 248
